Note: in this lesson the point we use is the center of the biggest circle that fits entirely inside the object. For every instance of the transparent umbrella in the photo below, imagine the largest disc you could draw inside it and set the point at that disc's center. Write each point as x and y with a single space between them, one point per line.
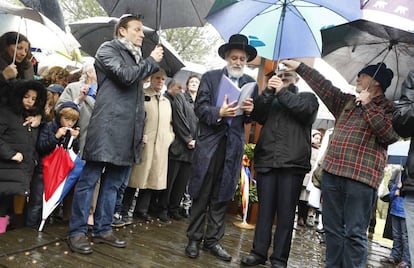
42 33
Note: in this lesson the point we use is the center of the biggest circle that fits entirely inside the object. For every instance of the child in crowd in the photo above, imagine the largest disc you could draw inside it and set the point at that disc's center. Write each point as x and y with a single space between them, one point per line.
400 254
52 134
18 155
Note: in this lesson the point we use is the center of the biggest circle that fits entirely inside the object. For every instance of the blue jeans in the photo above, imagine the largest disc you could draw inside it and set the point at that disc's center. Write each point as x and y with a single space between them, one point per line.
409 220
121 191
400 240
347 207
111 180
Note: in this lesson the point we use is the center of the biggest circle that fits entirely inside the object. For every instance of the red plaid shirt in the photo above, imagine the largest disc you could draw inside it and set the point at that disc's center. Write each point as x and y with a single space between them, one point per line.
358 146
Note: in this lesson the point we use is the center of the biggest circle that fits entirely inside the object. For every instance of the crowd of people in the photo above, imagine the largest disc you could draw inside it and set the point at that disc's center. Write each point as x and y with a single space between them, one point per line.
146 150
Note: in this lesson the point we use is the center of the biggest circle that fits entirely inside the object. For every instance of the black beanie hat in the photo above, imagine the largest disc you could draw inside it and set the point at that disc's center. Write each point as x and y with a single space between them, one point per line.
383 76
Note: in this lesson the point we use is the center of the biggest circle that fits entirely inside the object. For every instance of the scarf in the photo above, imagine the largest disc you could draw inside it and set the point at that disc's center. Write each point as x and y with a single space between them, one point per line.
135 51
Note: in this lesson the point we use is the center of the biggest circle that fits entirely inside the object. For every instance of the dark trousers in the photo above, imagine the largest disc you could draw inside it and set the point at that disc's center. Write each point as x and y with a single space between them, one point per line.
144 200
207 205
347 207
178 175
35 205
278 192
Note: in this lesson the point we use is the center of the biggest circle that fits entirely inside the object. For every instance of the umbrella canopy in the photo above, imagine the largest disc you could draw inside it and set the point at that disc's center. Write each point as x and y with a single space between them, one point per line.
61 170
398 152
92 32
281 29
395 13
161 14
40 31
351 46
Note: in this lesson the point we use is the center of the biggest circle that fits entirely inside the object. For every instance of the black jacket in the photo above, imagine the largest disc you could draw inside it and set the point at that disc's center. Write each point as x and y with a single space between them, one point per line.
14 137
407 93
285 139
185 127
117 122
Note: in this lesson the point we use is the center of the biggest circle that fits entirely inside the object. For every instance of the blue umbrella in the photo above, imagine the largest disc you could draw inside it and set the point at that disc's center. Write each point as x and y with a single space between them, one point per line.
281 29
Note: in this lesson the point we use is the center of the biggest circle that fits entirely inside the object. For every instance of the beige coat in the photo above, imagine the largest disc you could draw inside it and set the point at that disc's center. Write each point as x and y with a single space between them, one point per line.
151 173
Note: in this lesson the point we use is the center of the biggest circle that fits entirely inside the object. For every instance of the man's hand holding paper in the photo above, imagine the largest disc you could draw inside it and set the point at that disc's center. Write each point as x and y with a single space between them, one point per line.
228 109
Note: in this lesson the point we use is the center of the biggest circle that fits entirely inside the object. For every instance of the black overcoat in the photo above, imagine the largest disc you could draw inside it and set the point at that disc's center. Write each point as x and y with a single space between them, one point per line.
117 122
211 131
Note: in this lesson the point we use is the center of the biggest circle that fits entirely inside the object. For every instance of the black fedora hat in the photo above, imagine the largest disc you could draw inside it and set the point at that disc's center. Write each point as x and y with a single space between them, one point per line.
238 41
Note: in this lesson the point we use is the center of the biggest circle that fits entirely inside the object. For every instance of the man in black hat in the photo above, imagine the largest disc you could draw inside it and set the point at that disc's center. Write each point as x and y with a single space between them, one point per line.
220 144
354 163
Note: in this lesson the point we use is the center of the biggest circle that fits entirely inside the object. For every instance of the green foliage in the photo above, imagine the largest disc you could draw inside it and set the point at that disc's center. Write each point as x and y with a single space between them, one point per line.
74 10
192 43
249 151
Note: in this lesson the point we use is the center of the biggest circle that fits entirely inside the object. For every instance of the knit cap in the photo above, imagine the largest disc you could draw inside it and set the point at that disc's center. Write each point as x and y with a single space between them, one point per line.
383 76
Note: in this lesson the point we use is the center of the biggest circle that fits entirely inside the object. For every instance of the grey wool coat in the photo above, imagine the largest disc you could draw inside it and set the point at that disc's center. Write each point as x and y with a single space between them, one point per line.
117 122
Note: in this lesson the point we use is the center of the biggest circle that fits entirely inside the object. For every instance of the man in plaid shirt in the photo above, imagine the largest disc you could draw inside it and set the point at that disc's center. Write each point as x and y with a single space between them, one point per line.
355 160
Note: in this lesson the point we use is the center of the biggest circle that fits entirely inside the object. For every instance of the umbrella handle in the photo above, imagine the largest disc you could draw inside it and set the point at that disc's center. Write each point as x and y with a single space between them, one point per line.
70 142
17 41
42 225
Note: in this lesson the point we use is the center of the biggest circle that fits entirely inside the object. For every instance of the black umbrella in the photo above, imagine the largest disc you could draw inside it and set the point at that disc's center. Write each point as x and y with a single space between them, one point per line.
161 14
92 32
352 46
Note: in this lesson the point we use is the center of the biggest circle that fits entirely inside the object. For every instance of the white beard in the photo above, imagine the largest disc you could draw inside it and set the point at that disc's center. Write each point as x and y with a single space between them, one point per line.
234 73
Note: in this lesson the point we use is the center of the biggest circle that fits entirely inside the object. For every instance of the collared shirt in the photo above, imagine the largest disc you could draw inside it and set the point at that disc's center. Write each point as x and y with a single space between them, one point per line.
358 147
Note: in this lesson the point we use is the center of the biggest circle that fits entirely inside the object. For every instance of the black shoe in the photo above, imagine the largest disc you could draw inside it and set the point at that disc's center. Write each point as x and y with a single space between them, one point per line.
144 216
252 260
192 250
276 265
219 252
176 216
110 239
163 217
80 244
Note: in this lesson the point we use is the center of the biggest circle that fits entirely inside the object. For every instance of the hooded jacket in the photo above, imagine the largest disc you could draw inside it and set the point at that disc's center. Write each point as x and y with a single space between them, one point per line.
47 141
14 137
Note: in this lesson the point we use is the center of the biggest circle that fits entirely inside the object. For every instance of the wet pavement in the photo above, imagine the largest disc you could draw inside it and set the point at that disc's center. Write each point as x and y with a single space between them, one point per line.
156 245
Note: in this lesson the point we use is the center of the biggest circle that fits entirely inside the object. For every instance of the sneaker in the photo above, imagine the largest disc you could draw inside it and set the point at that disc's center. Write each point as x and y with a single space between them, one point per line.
117 220
127 219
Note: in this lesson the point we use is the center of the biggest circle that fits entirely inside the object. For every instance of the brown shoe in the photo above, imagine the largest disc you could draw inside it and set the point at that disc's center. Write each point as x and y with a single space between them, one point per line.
80 244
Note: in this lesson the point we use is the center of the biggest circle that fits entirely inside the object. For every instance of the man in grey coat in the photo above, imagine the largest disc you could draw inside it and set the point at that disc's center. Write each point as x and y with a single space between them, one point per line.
114 138
218 154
